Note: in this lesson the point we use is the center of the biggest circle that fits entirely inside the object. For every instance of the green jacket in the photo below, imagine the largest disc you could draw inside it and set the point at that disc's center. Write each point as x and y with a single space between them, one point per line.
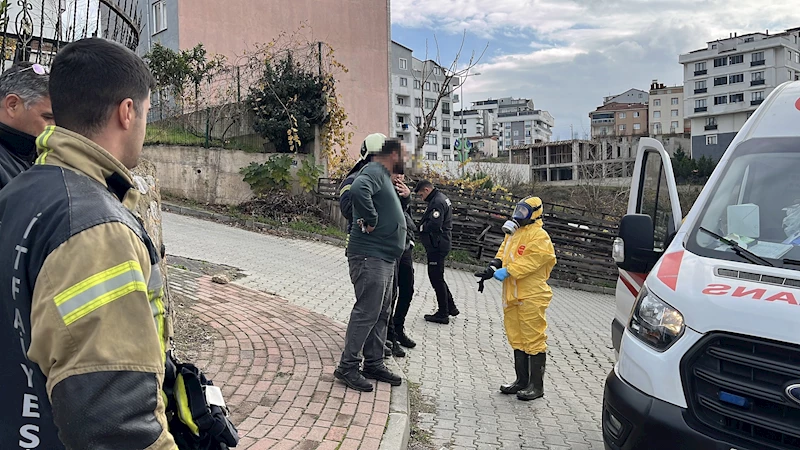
375 201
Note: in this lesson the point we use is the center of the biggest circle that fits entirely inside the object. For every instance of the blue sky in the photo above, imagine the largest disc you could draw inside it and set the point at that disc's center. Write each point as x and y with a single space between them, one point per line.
568 54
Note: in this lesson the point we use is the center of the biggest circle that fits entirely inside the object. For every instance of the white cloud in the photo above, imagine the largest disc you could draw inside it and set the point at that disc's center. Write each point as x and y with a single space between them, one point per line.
582 50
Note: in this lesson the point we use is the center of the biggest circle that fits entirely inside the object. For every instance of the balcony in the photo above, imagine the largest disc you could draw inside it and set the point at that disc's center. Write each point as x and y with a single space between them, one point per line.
701 91
711 127
756 102
445 146
446 111
599 121
757 82
760 62
446 129
701 109
700 72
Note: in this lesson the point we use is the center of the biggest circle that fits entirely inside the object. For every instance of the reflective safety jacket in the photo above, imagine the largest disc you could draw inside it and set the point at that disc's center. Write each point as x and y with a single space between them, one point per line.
82 320
529 256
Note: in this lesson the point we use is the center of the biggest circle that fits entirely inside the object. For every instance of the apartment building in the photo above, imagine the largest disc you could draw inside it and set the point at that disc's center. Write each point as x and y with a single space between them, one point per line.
726 81
358 30
666 110
416 85
628 97
620 120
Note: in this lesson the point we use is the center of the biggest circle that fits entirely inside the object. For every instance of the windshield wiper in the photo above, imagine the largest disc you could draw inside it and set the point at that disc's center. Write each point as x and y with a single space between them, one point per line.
739 250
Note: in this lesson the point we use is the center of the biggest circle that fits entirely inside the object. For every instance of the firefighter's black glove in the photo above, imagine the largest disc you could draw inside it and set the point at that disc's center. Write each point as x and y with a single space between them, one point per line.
487 274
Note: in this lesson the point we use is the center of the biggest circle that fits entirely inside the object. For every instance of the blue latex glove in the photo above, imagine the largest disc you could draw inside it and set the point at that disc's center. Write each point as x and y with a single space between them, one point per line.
501 274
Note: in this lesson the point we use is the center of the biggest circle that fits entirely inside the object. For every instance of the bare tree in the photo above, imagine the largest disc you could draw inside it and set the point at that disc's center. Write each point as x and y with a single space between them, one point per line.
600 187
447 77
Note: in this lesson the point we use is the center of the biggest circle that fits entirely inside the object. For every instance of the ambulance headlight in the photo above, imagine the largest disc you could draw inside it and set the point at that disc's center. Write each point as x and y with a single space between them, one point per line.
654 322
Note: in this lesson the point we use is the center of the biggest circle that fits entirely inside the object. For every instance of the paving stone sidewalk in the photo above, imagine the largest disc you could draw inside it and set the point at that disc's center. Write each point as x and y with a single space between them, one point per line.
274 362
459 366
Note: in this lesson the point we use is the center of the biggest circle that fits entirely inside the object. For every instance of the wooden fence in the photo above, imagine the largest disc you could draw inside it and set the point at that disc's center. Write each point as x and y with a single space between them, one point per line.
582 239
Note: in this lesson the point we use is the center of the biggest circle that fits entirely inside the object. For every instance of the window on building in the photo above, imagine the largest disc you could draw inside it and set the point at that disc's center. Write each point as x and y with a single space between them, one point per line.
711 121
657 102
702 103
699 67
516 133
445 108
622 127
636 114
431 156
445 142
418 120
432 139
437 70
721 100
711 139
528 133
737 59
637 126
738 78
757 58
797 58
656 128
417 84
430 103
622 115
508 126
401 101
400 137
462 121
516 141
673 126
433 121
159 16
757 76
700 84
436 87
400 119
445 124
403 64
403 82
757 96
719 81
674 113
656 114
427 85
675 100
719 62
737 98
418 103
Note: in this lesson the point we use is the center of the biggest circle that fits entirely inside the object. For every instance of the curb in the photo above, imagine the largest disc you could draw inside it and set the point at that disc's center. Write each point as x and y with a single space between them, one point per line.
397 433
251 224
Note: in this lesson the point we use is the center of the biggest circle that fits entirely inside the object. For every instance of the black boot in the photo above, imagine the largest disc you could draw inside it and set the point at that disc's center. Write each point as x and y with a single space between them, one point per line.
521 367
404 340
535 387
438 318
387 349
398 351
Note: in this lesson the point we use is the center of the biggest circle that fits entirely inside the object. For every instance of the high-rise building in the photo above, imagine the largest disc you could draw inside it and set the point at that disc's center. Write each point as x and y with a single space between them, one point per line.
727 80
666 110
515 121
416 85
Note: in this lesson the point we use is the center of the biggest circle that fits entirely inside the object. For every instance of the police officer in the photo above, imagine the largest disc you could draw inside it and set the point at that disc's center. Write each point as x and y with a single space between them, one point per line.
436 234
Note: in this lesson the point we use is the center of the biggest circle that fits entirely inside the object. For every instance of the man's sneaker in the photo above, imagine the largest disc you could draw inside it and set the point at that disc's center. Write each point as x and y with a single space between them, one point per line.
382 374
436 318
398 351
454 311
405 341
354 380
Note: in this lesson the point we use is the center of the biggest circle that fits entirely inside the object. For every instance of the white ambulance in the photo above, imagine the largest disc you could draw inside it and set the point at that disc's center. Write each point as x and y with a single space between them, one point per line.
707 324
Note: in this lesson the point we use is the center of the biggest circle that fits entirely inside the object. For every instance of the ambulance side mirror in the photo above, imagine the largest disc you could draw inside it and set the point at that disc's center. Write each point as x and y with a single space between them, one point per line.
634 248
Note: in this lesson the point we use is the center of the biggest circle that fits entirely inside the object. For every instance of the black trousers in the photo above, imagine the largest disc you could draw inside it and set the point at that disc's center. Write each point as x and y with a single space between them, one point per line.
403 293
444 298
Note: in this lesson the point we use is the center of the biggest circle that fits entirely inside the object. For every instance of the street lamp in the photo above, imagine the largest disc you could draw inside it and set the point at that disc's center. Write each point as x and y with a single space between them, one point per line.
462 143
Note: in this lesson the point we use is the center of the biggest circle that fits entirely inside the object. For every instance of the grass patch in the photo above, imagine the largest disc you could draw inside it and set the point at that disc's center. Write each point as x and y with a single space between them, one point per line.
420 439
160 134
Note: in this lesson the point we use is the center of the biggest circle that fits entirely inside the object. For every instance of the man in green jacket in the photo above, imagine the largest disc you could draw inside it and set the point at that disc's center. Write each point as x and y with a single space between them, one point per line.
377 239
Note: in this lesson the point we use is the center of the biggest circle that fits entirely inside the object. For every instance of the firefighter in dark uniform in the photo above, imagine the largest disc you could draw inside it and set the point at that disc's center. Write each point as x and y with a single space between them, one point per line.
436 234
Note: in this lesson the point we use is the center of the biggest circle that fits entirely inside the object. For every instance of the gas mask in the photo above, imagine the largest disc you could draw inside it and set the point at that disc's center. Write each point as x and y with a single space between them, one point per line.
523 215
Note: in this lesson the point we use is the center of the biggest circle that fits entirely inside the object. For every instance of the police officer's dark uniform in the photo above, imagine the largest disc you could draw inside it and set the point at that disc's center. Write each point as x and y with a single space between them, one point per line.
436 234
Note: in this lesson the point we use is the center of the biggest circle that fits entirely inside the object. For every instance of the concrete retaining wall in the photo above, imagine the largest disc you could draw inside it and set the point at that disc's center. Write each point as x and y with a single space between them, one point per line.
205 175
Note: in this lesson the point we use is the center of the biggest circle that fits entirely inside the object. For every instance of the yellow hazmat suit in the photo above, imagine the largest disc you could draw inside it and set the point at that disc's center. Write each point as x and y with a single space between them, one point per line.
529 257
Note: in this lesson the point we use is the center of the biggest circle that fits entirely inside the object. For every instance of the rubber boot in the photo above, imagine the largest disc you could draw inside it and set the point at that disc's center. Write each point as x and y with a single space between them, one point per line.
535 389
521 367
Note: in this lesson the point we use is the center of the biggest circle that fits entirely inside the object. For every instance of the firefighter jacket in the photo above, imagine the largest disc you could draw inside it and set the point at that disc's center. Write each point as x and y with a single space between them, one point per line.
436 226
83 318
17 153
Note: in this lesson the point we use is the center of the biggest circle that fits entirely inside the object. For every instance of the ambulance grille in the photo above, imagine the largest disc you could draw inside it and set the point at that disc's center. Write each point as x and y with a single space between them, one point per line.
736 386
758 278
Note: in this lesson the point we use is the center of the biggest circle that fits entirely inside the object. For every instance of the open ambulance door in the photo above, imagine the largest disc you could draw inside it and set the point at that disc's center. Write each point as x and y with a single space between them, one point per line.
653 218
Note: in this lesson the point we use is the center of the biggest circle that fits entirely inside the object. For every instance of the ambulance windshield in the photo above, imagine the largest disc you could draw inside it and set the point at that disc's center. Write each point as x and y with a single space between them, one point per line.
756 204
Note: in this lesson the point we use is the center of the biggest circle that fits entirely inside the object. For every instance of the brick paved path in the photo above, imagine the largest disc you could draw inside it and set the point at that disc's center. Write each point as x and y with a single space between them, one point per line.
275 362
460 365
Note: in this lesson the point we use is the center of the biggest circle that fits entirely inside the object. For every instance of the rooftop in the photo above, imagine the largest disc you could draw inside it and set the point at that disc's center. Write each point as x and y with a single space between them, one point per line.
621 107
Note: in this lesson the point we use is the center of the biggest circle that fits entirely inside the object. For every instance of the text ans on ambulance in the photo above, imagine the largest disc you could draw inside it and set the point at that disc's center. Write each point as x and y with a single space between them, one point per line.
770 295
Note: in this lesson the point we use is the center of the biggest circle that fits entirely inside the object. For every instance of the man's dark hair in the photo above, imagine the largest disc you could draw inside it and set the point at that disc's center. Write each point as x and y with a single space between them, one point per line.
90 78
391 145
22 81
422 184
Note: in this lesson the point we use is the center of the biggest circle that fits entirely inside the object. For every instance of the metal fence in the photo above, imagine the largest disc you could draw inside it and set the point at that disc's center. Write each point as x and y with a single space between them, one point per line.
34 30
